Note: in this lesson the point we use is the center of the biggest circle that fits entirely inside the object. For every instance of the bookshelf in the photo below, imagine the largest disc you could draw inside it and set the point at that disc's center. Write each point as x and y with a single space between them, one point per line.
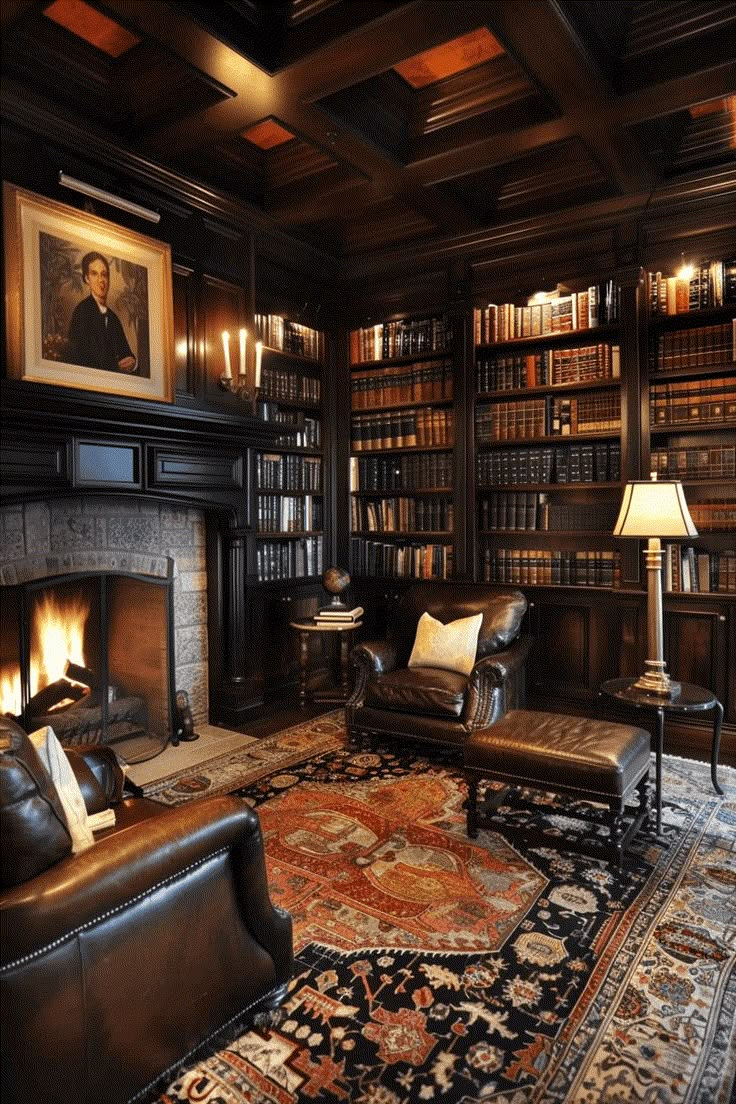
289 477
402 467
691 404
547 436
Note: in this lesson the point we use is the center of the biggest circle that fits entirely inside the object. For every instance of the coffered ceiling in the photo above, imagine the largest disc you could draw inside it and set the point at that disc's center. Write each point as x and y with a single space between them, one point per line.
361 126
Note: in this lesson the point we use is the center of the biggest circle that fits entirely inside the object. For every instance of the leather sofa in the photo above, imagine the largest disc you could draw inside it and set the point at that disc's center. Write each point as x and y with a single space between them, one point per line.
395 702
120 962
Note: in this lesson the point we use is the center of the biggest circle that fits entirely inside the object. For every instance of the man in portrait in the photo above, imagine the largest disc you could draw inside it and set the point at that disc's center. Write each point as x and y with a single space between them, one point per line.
96 335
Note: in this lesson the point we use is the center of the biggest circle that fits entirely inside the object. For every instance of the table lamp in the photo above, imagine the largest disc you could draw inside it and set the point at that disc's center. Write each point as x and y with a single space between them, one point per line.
654 509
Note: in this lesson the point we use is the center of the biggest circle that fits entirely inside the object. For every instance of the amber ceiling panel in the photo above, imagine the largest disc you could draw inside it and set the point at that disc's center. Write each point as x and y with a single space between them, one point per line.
267 134
450 58
91 25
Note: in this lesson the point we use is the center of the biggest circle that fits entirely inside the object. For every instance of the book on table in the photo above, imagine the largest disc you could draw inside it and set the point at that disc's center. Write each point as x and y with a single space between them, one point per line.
338 616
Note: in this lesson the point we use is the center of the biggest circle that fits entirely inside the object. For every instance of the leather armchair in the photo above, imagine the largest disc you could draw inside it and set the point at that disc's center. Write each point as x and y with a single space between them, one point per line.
393 701
119 963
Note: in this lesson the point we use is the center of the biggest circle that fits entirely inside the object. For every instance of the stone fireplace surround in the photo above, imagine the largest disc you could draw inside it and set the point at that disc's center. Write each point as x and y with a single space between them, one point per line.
42 539
86 474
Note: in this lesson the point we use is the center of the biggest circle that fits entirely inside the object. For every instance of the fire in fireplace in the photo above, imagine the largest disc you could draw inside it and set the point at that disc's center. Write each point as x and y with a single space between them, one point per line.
90 655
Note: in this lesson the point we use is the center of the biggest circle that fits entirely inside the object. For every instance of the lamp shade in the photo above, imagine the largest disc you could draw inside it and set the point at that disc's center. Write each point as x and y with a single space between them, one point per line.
654 509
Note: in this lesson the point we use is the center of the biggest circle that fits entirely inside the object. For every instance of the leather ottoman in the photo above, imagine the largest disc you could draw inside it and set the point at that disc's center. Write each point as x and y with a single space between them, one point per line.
594 761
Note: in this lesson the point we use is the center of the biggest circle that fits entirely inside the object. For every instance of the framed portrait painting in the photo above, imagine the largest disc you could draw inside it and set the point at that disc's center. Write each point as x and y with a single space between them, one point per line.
89 304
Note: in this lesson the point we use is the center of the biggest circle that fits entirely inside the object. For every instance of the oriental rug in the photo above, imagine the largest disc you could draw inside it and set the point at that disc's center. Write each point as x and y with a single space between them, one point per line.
433 968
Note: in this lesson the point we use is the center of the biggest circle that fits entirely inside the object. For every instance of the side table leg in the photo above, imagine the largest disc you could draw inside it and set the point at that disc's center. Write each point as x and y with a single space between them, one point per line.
659 750
303 667
344 666
717 722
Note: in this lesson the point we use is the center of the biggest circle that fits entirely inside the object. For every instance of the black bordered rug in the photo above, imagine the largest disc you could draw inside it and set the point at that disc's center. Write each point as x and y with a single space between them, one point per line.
432 968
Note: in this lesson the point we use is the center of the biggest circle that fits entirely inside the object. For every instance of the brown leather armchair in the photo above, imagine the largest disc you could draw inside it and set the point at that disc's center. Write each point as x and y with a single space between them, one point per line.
119 963
393 701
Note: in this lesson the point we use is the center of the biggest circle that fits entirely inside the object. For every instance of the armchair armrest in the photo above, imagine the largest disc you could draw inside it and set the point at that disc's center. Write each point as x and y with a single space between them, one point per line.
497 685
377 655
99 774
372 657
125 867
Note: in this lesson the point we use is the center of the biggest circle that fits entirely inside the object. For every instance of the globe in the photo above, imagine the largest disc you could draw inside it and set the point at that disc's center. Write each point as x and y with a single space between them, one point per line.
335 580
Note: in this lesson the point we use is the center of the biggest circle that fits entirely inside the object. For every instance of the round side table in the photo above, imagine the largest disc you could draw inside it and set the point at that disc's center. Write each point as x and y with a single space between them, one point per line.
305 626
691 699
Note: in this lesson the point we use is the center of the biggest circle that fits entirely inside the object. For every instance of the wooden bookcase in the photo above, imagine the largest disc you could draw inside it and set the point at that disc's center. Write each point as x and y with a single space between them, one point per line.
290 509
691 424
402 464
547 439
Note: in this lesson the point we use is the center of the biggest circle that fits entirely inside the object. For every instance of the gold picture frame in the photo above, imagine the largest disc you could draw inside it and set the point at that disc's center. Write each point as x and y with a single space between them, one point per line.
120 341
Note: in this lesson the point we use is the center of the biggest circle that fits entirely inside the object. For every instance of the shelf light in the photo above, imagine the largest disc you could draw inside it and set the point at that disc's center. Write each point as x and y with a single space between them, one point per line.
108 197
686 271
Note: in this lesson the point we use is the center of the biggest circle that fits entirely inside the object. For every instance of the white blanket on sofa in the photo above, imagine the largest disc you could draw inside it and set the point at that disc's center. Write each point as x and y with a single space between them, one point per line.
56 763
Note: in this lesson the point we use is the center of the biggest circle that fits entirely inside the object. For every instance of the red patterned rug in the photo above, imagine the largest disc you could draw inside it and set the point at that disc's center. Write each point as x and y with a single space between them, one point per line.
431 968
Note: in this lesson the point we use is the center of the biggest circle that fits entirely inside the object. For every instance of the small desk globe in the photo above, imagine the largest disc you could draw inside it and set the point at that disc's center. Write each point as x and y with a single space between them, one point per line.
335 580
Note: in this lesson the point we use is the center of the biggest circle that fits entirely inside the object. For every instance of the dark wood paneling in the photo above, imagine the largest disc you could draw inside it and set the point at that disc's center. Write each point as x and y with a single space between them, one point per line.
171 469
28 460
223 308
559 664
185 330
695 643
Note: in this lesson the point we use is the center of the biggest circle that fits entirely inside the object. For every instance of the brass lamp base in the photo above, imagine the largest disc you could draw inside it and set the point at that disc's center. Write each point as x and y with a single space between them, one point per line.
657 682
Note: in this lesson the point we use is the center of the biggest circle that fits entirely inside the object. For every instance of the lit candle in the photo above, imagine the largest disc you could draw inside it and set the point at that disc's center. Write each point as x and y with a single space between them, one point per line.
243 339
259 350
226 350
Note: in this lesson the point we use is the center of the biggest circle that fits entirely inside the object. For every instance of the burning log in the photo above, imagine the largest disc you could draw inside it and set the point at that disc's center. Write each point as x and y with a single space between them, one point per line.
79 725
54 694
81 674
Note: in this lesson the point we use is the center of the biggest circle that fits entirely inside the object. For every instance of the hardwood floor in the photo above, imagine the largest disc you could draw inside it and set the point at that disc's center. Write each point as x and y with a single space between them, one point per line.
275 717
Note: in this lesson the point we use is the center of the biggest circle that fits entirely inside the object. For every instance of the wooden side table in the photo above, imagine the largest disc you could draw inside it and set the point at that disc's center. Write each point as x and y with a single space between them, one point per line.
305 626
691 699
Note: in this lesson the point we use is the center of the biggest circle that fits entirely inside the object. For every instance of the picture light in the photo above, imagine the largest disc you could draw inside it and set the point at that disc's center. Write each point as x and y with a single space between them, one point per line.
108 197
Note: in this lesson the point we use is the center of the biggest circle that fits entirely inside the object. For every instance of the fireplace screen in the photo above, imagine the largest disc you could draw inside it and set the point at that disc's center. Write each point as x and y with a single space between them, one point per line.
91 656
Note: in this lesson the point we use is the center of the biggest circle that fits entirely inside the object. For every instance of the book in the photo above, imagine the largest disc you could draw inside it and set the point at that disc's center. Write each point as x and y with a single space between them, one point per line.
336 615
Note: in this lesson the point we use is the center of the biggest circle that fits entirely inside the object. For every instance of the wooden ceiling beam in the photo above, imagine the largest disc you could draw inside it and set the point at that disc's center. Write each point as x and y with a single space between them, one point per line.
541 39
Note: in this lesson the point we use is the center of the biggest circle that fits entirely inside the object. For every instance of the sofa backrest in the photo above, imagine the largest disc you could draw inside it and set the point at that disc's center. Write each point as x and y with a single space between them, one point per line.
33 827
503 610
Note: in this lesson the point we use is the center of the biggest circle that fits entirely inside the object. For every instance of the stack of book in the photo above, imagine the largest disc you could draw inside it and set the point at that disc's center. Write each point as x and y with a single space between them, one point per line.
335 616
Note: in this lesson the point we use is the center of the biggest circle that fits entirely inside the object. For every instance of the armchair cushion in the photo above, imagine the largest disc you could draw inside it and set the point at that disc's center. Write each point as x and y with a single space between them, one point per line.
449 647
421 690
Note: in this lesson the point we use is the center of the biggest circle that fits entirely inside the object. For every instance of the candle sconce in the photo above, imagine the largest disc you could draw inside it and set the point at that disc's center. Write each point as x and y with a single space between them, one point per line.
241 385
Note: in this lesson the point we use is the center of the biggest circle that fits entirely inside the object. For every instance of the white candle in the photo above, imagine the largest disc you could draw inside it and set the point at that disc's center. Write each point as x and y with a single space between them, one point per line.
226 350
259 350
243 339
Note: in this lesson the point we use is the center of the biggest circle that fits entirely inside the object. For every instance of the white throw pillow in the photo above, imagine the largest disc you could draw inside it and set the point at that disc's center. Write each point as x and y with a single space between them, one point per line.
56 763
450 647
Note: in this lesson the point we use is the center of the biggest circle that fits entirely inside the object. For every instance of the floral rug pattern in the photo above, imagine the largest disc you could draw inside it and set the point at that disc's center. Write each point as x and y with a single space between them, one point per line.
430 967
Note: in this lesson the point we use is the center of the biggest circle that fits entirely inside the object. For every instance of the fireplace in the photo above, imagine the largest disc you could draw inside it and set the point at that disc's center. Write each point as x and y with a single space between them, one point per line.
104 618
90 655
91 484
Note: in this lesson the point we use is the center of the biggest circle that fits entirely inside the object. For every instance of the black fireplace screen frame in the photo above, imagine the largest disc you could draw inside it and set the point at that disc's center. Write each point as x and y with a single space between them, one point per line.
27 592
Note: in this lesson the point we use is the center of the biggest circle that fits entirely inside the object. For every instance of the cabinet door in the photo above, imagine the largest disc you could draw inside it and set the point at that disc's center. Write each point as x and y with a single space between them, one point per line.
279 643
578 642
695 645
